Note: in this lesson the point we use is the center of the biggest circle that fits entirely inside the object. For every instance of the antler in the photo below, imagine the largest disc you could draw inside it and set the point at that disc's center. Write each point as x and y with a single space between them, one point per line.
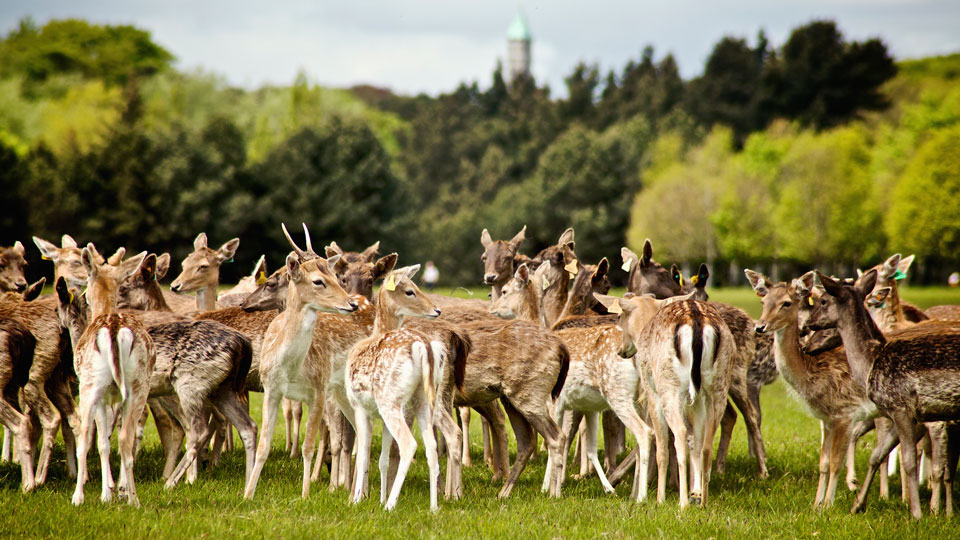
300 253
306 232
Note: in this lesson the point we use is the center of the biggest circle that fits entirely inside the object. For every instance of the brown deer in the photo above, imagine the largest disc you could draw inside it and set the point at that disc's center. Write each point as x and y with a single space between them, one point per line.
201 271
685 356
824 382
12 265
554 279
497 258
113 358
910 378
16 356
391 370
284 369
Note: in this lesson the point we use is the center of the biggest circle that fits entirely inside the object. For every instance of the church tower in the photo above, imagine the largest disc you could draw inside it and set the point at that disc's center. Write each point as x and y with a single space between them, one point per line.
518 47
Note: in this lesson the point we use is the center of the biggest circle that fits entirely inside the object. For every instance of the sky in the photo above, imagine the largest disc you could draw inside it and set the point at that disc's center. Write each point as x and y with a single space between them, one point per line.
433 45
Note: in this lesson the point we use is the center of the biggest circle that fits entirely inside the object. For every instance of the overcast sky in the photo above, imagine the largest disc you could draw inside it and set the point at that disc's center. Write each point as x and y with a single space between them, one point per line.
432 45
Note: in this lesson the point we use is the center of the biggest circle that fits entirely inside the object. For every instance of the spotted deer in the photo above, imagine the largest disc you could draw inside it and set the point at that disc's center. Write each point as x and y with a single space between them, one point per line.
396 374
113 359
824 382
16 356
201 271
685 356
750 371
284 367
911 379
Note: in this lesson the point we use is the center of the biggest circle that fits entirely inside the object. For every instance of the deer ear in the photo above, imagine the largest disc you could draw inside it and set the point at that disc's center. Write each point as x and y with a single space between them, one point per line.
63 293
18 248
522 274
867 283
89 260
758 281
485 239
647 253
629 259
293 267
703 274
33 290
904 265
890 266
163 265
260 268
384 265
601 272
806 282
333 261
371 252
878 297
567 238
131 265
410 271
333 249
47 250
607 301
200 241
228 250
832 286
148 268
117 257
518 238
67 241
676 275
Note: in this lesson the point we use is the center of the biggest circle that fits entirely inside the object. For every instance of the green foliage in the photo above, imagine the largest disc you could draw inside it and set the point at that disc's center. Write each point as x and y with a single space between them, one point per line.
924 217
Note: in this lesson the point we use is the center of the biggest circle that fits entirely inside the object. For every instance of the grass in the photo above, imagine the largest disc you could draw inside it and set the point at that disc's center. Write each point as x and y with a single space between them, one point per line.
740 505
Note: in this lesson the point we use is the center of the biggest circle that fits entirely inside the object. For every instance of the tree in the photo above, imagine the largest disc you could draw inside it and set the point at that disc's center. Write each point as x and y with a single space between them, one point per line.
581 88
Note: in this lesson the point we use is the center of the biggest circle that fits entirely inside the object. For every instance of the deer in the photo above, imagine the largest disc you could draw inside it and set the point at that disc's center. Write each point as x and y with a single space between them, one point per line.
12 278
396 368
497 258
824 382
113 359
235 295
647 276
685 354
202 364
284 370
908 378
16 356
201 271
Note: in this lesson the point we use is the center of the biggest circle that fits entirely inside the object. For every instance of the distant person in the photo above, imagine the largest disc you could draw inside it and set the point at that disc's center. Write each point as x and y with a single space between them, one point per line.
954 279
430 275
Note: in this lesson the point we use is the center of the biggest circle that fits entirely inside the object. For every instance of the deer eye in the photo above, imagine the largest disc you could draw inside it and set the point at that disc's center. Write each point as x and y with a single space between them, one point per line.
319 283
204 266
787 304
409 292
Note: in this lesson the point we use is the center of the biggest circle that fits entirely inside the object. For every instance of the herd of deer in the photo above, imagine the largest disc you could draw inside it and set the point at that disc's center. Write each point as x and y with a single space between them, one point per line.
550 346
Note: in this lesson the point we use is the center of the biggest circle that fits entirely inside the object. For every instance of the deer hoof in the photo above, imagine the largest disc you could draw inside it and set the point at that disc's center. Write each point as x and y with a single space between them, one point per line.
696 499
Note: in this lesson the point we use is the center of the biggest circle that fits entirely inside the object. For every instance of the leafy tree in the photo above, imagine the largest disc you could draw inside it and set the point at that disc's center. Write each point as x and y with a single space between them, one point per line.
581 89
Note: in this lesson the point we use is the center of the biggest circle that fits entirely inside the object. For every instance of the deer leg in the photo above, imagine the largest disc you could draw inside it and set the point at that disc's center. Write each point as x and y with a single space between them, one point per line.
195 420
953 455
581 450
907 430
425 421
103 419
5 454
464 414
170 433
886 440
936 438
501 458
727 423
271 406
335 425
453 439
62 398
364 429
539 417
593 421
751 418
309 450
526 439
127 438
228 403
627 413
49 418
924 449
18 425
568 425
678 427
838 450
614 439
857 430
826 441
297 411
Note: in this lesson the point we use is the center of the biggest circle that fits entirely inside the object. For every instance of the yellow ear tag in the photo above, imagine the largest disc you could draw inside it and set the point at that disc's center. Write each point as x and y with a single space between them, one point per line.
71 296
626 265
615 307
544 283
390 284
680 279
810 300
44 257
261 278
571 268
695 279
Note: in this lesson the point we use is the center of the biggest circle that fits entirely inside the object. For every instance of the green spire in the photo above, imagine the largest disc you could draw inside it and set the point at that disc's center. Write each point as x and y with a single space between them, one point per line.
519 30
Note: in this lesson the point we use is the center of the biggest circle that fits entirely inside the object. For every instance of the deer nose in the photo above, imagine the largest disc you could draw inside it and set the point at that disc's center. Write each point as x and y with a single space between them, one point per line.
175 287
354 304
760 327
436 311
21 286
489 278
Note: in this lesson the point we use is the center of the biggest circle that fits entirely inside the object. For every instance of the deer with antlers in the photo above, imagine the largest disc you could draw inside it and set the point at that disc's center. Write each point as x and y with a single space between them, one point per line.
113 358
284 367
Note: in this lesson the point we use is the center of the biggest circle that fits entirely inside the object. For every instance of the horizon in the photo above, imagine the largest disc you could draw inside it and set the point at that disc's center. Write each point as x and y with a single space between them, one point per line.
431 47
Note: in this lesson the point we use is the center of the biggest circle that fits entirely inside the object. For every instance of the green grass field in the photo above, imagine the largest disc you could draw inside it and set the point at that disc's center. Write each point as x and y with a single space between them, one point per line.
740 505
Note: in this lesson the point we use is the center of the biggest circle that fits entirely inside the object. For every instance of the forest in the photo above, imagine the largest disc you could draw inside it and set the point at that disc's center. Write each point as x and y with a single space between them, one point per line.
821 151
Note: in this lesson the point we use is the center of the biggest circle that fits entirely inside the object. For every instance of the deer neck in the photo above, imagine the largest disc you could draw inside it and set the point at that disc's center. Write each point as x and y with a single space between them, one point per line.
300 317
891 317
386 319
789 356
156 300
530 306
207 298
861 339
554 299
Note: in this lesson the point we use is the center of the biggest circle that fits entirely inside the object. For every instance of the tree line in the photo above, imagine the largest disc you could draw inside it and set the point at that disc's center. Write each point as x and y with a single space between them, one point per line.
100 137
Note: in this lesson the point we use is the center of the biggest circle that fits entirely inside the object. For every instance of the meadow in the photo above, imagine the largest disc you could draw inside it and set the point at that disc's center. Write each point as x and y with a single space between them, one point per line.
741 505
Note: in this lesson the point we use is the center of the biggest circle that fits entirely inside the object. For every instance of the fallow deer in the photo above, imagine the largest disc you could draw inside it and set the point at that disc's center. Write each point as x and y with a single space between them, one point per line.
824 382
12 265
113 358
685 356
284 369
497 258
647 276
393 369
16 356
911 379
201 271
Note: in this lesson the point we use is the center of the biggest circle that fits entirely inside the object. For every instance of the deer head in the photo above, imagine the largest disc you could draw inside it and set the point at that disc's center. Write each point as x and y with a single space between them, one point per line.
781 302
838 299
359 271
589 279
518 297
141 290
71 310
66 260
634 314
201 268
399 297
12 266
498 257
647 276
103 281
